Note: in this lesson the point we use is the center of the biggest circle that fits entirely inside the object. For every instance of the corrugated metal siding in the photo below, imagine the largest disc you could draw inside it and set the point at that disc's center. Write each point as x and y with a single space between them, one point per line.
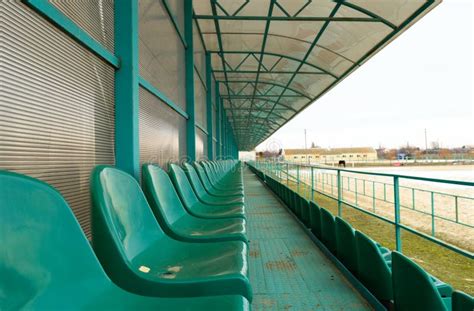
162 131
162 54
200 103
94 17
201 144
56 106
199 53
214 146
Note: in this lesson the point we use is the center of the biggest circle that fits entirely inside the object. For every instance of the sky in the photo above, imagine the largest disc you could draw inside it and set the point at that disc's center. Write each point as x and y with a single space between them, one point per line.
422 80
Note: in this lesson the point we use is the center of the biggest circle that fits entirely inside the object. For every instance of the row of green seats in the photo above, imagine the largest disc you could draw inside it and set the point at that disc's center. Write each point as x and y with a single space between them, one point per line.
392 278
146 254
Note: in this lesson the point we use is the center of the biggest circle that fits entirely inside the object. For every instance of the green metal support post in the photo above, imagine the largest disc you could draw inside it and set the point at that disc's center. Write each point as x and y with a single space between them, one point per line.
432 214
210 151
339 194
218 125
127 148
189 56
396 200
298 179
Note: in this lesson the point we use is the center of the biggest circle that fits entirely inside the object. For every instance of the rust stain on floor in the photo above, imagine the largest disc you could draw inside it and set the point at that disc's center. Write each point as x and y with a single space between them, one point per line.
298 253
254 253
280 265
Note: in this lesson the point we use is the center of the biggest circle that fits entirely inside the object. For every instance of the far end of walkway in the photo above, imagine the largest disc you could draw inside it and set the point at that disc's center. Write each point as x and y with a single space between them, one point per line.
287 270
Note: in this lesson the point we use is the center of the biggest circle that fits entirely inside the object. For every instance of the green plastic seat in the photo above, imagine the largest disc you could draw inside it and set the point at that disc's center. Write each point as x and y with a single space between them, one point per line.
200 192
138 255
413 288
304 208
346 244
462 301
223 177
298 204
46 262
315 219
209 188
372 269
220 180
175 220
196 207
328 230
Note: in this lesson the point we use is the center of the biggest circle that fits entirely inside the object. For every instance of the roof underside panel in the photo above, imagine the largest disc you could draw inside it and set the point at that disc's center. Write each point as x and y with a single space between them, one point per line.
272 58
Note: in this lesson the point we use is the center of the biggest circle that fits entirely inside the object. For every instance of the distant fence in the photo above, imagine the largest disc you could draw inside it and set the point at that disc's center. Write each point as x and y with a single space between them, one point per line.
468 159
386 197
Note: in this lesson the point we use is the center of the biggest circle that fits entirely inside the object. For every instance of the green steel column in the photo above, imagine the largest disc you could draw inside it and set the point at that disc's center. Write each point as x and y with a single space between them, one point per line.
189 56
218 126
127 147
210 151
339 194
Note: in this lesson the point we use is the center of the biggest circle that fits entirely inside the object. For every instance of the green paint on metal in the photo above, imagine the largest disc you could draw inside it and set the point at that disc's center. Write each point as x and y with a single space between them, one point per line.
150 88
432 214
283 56
199 126
289 18
175 22
127 149
218 122
339 194
399 225
396 200
190 104
45 8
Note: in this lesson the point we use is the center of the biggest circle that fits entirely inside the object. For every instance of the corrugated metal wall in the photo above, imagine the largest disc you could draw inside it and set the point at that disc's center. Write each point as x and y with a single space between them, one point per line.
162 131
56 106
162 59
94 17
201 145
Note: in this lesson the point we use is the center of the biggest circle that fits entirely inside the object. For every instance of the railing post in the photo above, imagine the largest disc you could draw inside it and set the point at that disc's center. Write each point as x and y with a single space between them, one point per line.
396 200
456 207
413 198
312 187
432 214
287 174
323 180
355 189
298 178
373 196
339 194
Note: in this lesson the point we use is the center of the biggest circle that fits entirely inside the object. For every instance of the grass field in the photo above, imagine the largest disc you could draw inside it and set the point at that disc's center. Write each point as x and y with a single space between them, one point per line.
445 264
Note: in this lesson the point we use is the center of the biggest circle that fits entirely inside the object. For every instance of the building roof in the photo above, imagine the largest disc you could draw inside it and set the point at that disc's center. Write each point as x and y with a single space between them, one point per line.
272 58
322 151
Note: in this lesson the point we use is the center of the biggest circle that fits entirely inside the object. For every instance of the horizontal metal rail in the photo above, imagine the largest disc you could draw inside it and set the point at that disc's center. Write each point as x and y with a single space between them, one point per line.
281 171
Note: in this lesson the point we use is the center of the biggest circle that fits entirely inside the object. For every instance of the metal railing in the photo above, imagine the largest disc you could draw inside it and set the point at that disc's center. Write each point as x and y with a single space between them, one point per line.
372 197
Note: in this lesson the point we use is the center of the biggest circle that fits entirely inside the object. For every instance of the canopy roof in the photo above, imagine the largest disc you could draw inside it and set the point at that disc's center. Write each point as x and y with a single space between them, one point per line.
274 57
